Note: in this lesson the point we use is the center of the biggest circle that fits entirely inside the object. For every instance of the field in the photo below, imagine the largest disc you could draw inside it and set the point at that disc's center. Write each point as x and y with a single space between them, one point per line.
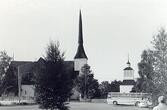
78 106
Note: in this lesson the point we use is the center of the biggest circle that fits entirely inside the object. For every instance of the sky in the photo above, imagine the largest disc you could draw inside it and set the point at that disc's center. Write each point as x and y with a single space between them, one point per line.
112 29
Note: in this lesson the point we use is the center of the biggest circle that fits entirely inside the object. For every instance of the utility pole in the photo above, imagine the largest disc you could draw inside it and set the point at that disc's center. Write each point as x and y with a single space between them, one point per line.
85 96
19 84
83 71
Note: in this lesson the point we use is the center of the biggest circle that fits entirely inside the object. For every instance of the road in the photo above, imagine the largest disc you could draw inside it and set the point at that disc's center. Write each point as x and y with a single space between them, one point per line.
78 106
102 106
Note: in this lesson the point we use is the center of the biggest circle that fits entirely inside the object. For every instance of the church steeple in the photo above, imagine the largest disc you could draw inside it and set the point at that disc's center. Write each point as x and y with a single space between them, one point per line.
80 51
80 40
128 63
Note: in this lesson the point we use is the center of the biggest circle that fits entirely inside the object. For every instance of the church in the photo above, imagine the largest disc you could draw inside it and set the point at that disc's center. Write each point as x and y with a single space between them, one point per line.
24 69
128 79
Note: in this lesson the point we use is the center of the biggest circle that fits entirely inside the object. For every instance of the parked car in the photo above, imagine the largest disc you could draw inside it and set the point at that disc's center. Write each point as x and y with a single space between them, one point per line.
144 104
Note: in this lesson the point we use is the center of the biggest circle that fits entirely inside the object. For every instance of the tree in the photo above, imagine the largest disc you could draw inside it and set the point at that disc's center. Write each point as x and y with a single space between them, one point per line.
53 80
115 86
86 84
4 65
104 87
153 67
10 83
145 66
160 65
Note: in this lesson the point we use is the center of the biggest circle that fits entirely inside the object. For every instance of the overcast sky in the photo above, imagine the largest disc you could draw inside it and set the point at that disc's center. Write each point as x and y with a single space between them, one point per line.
112 29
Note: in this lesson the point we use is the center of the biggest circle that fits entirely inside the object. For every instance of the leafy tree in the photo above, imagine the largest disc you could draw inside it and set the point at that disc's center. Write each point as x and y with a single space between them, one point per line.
104 87
160 65
153 67
4 65
145 83
86 84
10 81
53 80
115 86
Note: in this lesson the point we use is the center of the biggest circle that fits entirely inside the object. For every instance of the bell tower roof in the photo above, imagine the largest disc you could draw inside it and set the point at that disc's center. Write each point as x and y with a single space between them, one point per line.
128 62
128 65
80 51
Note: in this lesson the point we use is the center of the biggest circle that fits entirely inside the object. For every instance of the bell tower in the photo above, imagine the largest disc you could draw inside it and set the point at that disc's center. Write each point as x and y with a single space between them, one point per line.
128 72
128 79
80 58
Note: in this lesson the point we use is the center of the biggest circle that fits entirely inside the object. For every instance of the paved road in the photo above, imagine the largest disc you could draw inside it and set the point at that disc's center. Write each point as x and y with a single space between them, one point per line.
79 106
102 106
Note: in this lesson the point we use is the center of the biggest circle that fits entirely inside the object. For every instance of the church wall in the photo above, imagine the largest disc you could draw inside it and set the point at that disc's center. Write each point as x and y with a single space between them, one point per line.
129 75
28 91
125 88
75 95
79 63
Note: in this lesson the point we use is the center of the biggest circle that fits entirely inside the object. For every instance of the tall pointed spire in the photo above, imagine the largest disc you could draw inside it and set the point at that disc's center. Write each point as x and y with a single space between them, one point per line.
80 40
80 51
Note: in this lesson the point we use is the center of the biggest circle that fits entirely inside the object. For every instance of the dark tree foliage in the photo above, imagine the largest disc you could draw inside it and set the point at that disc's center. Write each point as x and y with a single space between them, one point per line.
86 84
4 65
10 81
106 87
115 86
53 80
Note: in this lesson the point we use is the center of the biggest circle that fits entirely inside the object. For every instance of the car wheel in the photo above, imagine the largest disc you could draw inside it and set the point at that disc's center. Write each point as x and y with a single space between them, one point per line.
137 104
115 102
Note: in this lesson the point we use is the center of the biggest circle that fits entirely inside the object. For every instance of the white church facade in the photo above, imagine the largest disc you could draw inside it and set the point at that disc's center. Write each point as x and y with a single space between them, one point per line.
128 79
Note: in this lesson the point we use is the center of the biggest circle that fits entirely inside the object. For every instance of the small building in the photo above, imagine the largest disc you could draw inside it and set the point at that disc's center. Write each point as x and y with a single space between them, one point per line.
128 79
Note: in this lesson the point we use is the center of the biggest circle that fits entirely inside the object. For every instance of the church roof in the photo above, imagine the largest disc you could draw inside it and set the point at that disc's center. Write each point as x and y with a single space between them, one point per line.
80 51
128 82
128 68
26 68
69 64
18 63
